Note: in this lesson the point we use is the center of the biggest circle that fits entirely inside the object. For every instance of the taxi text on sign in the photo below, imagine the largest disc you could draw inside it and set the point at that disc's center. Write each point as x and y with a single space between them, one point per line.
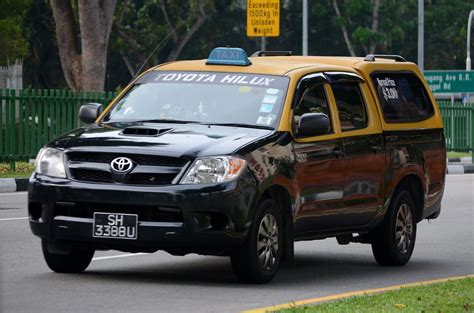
263 18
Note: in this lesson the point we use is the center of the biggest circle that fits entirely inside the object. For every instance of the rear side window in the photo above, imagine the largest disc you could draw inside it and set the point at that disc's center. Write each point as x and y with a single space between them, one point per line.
350 105
403 97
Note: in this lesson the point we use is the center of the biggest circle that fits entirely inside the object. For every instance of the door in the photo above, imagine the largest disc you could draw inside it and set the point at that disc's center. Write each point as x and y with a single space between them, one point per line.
319 165
363 154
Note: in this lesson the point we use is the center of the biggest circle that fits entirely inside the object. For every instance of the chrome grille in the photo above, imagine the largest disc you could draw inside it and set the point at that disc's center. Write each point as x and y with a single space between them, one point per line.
150 170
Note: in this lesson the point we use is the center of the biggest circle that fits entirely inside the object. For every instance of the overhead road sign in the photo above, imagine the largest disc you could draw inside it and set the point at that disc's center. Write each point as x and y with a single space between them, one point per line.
450 81
263 18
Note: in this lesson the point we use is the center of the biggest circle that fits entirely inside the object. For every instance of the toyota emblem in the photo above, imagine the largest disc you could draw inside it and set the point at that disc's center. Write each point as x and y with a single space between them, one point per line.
121 164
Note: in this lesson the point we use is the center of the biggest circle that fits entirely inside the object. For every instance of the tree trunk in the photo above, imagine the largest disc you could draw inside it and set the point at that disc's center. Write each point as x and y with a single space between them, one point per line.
347 39
174 54
375 24
66 34
84 68
180 42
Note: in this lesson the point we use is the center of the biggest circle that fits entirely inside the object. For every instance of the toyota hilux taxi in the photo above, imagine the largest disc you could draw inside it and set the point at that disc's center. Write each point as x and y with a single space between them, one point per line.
241 157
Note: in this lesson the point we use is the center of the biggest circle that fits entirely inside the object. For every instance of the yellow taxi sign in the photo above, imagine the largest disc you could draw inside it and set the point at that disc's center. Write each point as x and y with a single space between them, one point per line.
263 18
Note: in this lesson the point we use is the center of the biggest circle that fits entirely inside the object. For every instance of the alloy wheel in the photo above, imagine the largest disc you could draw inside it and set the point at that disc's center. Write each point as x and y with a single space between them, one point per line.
267 242
404 228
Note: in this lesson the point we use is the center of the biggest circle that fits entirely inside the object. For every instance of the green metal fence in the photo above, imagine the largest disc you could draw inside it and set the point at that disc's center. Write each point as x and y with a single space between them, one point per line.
458 121
31 118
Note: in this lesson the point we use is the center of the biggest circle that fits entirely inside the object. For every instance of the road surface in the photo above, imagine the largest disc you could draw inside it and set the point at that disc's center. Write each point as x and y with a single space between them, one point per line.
118 282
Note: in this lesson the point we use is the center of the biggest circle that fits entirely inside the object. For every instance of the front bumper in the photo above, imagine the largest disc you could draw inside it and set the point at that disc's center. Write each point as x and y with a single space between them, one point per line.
232 204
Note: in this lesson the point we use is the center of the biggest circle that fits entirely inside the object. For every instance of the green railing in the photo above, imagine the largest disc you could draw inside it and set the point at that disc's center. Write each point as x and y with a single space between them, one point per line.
458 121
31 118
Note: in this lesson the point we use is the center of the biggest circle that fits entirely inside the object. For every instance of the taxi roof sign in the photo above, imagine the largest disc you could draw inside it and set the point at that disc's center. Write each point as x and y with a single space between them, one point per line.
228 56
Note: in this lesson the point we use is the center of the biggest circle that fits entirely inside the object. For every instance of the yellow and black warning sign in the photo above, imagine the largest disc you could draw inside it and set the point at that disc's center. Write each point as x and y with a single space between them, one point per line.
263 18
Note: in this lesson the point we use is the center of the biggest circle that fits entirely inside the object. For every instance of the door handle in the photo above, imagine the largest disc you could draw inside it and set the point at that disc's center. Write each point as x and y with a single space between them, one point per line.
376 147
337 151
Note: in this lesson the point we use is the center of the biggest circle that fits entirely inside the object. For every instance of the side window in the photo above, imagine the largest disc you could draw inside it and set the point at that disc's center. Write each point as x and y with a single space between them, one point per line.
313 101
403 97
351 107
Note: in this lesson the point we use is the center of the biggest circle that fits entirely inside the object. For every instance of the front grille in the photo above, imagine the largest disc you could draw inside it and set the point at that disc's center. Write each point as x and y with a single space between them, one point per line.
151 179
141 159
81 170
92 175
145 213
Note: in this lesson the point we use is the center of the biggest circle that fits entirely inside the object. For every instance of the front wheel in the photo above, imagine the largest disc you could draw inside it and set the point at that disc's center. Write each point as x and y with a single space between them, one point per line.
68 259
259 258
394 241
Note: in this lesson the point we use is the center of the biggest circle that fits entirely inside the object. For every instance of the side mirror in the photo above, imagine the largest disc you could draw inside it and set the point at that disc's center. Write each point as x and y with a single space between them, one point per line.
88 113
313 124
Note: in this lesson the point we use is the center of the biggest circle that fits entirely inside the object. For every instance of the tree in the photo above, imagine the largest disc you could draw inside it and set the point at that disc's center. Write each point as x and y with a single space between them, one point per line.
83 53
355 18
13 38
140 27
42 68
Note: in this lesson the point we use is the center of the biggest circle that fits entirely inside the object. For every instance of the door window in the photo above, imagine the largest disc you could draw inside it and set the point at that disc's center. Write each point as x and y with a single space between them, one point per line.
350 105
314 100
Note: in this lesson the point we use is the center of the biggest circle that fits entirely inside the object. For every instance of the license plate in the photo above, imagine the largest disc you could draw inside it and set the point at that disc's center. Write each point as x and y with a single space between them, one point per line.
117 226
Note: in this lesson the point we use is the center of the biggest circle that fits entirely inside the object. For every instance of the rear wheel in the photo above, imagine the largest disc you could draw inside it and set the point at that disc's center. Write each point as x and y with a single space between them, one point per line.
394 241
257 261
66 259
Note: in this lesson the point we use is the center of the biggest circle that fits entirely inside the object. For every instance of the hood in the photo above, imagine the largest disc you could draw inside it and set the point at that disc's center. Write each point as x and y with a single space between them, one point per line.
178 140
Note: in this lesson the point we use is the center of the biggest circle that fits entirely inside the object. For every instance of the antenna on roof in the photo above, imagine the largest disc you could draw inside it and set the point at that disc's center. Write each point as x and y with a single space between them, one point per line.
154 50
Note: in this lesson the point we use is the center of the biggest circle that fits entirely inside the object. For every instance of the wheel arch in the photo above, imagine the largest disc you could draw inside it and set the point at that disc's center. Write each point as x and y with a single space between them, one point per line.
281 196
285 202
413 184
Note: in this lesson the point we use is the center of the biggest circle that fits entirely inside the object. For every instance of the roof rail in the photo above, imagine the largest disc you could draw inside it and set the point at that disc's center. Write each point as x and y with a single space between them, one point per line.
272 53
396 58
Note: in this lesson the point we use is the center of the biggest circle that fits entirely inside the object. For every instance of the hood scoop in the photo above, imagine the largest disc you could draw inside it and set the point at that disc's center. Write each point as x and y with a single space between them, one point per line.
145 131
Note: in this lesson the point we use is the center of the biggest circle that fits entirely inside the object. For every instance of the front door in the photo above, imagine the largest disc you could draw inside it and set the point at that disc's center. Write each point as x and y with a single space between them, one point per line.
319 165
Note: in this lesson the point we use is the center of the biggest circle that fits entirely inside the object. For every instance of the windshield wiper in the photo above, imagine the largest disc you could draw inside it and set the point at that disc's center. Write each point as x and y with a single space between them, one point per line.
240 125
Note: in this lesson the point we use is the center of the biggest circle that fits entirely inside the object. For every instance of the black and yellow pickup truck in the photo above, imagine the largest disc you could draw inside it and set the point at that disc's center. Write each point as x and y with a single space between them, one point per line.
241 157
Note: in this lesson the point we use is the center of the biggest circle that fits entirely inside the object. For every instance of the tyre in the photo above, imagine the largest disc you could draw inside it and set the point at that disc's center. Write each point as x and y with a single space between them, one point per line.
70 259
257 261
394 240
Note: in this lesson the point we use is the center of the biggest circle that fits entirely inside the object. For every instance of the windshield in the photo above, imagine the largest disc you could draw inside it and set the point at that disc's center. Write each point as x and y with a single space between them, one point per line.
203 97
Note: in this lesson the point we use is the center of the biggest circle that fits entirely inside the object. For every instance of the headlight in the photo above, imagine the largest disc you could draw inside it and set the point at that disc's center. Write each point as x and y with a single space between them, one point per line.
214 170
50 162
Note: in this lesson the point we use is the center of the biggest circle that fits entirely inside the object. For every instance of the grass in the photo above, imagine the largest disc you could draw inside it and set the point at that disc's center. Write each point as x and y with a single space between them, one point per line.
22 169
450 296
454 154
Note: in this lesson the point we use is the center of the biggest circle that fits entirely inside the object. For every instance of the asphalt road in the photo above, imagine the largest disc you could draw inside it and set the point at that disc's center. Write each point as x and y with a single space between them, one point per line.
162 283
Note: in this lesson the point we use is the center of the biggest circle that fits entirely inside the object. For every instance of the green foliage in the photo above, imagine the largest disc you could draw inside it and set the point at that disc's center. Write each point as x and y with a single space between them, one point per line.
13 39
43 68
144 23
145 26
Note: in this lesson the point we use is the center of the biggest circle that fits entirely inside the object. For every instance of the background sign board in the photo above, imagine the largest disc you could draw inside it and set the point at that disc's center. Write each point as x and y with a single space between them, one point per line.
263 18
450 81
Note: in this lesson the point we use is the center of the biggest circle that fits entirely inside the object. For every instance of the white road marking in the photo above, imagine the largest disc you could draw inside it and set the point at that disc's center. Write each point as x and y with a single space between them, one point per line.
13 218
118 256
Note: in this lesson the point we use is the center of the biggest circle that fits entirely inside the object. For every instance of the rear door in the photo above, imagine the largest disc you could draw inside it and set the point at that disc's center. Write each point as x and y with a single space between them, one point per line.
363 151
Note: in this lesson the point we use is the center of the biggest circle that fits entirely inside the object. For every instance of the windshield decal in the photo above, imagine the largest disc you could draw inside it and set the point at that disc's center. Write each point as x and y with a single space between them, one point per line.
265 120
274 83
266 108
